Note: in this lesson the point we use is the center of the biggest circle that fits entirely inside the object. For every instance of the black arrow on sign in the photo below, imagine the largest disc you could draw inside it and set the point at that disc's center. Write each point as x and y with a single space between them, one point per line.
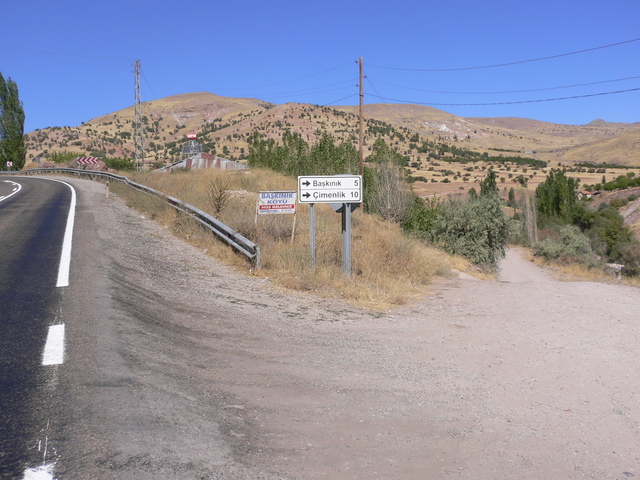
306 183
306 195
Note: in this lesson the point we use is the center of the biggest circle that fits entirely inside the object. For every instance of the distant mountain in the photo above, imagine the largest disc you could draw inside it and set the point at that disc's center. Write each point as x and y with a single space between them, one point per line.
225 124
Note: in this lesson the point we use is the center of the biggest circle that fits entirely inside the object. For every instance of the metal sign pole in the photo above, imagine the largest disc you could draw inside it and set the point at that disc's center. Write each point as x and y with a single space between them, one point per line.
312 234
293 228
346 238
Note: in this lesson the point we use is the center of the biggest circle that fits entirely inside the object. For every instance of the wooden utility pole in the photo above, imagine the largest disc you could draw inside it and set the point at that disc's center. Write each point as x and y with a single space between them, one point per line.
361 139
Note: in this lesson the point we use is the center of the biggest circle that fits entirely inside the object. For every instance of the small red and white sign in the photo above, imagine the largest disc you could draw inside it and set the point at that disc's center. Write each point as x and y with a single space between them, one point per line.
87 160
277 202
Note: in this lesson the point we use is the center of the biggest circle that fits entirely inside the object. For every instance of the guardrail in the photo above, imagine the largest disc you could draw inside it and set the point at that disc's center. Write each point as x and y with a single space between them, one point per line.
226 234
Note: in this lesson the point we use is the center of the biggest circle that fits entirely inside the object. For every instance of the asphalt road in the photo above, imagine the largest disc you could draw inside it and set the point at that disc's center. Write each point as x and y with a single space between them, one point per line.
33 219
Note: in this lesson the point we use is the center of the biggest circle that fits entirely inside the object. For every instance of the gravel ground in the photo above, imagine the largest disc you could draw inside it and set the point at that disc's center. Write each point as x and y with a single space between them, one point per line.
193 370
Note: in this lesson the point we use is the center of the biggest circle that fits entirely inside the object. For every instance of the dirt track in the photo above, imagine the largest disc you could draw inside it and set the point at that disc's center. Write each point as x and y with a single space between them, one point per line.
220 375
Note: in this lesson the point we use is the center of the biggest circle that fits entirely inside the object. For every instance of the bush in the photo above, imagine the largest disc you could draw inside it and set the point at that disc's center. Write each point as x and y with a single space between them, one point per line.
477 229
572 245
618 202
62 157
421 216
608 233
549 249
119 163
630 258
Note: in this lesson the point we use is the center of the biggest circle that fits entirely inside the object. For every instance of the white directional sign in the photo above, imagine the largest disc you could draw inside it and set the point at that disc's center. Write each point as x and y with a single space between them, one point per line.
330 189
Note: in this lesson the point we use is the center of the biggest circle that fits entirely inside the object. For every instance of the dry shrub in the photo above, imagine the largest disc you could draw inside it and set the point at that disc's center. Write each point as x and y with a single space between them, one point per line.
388 267
219 193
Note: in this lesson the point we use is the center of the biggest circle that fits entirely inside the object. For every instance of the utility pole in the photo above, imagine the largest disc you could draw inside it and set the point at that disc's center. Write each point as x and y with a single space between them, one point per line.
137 123
361 139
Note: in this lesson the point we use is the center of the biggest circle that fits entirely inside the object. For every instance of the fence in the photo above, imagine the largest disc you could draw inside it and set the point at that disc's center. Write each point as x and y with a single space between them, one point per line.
226 234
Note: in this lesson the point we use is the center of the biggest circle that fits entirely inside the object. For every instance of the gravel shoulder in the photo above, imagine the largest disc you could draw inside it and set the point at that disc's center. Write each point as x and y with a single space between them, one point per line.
180 367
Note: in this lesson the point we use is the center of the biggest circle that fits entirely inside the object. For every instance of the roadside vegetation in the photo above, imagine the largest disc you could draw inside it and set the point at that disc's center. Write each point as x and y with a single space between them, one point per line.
389 268
400 240
573 233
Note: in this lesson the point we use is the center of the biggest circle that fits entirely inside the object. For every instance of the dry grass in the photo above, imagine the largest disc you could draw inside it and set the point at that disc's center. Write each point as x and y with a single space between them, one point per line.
388 268
575 272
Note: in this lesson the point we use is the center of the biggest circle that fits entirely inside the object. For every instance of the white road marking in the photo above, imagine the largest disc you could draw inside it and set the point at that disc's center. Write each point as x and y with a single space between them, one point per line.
17 187
65 256
54 347
45 472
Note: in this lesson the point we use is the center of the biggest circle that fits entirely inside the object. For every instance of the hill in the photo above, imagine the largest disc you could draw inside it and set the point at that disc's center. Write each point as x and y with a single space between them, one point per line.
225 124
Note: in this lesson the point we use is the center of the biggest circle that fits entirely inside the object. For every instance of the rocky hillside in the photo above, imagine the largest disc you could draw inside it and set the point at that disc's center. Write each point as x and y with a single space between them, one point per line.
225 124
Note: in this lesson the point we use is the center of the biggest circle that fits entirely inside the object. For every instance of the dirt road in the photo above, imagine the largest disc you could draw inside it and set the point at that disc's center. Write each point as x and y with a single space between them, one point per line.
208 373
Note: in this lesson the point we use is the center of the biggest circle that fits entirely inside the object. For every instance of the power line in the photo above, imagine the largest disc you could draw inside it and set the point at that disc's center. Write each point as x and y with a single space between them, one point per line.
505 103
340 99
505 64
306 91
372 85
509 91
294 79
314 90
289 95
148 85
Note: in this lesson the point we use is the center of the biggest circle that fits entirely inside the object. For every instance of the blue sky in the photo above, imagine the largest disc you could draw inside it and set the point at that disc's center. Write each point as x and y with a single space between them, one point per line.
73 60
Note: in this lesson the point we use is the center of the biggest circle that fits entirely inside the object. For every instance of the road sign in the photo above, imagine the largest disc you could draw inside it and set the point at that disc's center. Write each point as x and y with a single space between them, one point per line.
276 202
87 160
330 189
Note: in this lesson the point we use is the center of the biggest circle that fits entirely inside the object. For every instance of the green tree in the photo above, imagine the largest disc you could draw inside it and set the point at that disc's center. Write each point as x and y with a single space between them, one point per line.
328 158
489 186
556 196
383 153
294 156
12 145
512 199
421 215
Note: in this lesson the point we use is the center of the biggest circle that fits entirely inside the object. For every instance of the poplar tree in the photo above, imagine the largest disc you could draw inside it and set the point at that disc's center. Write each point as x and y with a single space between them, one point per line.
386 190
556 197
12 146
